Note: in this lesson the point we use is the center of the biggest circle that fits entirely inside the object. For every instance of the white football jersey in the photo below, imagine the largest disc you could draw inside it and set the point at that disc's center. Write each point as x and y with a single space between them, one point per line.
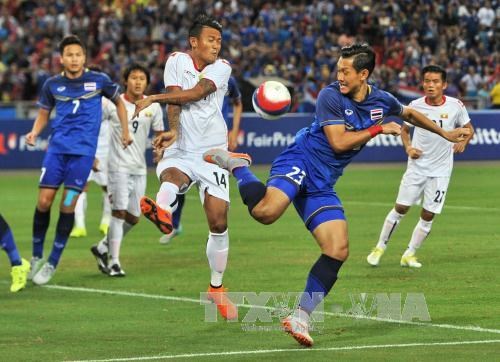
437 153
202 125
102 150
132 160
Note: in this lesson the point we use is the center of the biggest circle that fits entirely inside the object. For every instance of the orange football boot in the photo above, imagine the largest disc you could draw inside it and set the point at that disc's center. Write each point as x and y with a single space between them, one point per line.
226 308
153 212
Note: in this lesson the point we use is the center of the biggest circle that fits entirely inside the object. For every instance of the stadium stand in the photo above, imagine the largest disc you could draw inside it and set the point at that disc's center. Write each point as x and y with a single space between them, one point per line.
297 41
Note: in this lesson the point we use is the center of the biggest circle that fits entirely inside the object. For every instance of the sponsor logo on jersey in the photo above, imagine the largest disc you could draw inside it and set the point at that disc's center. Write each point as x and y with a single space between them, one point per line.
90 86
61 88
376 113
349 112
190 74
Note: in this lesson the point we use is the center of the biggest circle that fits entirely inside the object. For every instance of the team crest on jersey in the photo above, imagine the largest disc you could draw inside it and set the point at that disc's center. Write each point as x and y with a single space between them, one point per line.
90 86
349 112
376 113
444 116
148 114
61 88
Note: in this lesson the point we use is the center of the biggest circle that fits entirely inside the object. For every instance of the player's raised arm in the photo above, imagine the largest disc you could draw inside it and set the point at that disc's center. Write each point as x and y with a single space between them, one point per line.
121 111
416 118
202 89
40 123
342 140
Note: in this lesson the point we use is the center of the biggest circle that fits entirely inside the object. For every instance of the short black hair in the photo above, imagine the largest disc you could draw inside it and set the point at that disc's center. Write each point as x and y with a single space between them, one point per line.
70 40
136 66
364 56
434 69
203 20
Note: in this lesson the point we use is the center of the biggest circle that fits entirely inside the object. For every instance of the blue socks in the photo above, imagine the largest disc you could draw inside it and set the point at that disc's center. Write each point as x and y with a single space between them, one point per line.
251 189
64 226
320 281
7 243
176 216
41 221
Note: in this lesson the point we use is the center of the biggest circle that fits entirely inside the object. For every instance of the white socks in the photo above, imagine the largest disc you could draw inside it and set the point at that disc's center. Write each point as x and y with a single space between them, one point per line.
104 245
217 251
80 209
166 197
390 224
422 229
115 237
106 209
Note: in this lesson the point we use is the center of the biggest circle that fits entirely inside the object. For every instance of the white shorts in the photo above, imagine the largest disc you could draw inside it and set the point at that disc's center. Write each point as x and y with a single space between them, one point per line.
100 177
207 176
125 191
414 186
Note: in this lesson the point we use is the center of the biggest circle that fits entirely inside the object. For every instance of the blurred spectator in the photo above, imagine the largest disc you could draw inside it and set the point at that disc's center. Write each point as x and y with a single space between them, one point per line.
495 94
299 39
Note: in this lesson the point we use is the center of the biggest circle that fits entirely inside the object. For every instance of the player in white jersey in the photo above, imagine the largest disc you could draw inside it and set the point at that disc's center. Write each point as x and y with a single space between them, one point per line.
430 162
127 169
196 83
99 175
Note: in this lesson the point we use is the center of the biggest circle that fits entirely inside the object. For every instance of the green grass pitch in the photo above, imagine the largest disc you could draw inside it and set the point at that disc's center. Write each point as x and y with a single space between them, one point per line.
95 317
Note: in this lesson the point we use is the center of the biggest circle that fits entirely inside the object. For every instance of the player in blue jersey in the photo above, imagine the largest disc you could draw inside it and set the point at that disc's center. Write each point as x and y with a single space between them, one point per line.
76 95
231 100
349 112
20 267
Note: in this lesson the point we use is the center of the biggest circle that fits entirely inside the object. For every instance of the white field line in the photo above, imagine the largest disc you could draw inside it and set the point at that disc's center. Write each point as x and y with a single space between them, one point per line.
199 301
305 350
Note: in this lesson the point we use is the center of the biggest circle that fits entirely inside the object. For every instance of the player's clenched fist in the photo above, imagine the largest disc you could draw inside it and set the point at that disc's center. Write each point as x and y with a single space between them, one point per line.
457 135
391 128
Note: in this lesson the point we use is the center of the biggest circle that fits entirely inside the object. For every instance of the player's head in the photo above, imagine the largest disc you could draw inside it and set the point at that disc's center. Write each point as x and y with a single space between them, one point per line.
355 65
136 78
73 54
205 37
434 81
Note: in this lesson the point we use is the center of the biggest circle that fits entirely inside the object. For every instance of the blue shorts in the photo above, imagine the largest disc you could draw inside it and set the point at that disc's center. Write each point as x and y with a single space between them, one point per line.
73 170
310 190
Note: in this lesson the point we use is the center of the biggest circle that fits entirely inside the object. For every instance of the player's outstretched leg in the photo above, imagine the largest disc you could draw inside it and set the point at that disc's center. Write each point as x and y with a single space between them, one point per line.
227 160
153 212
390 224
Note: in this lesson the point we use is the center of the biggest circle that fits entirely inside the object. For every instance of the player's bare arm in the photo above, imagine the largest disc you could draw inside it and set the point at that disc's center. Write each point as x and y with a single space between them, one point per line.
411 151
202 89
418 119
460 146
121 111
163 140
342 140
40 123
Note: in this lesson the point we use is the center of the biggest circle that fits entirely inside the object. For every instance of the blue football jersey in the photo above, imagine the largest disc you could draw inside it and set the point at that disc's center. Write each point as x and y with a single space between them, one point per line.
77 102
233 92
334 108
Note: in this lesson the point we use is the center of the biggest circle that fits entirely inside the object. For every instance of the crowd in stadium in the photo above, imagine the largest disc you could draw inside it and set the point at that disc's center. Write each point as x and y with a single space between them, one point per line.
298 41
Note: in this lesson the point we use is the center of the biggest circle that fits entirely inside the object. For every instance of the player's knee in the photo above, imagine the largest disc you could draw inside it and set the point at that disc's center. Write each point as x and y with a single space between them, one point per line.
44 203
131 219
218 227
401 209
427 215
264 214
119 214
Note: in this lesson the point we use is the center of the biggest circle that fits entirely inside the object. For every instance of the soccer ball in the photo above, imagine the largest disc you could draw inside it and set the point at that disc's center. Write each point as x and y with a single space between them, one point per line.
271 100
